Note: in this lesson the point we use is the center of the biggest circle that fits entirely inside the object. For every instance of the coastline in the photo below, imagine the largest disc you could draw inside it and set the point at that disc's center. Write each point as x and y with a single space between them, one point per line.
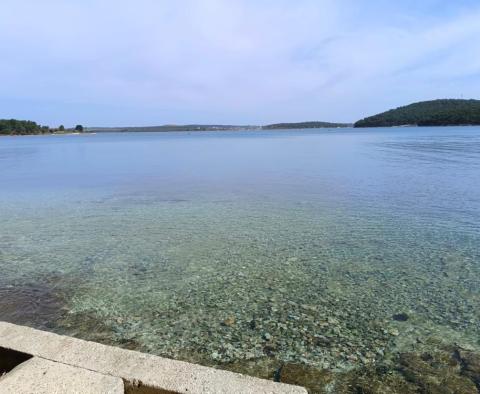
260 128
44 135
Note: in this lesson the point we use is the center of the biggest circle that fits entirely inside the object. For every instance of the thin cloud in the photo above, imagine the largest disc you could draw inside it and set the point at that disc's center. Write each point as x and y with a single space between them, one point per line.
152 62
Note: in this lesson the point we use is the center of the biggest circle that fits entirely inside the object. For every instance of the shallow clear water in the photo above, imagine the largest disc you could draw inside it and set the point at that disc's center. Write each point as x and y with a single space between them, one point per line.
330 249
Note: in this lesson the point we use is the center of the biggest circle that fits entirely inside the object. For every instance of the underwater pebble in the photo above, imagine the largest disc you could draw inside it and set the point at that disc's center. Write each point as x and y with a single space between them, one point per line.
400 317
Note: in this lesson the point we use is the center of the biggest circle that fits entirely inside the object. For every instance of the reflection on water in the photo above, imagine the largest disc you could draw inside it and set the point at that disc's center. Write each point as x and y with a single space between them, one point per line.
344 261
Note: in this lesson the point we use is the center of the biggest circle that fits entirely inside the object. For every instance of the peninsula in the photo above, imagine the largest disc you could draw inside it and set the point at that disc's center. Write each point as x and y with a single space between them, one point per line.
428 113
28 127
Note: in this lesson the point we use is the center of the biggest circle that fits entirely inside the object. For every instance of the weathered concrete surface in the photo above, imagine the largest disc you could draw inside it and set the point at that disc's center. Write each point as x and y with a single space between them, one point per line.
42 376
138 370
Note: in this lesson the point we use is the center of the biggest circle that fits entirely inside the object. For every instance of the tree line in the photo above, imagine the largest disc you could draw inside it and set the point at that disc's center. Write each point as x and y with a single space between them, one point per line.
28 127
304 125
428 113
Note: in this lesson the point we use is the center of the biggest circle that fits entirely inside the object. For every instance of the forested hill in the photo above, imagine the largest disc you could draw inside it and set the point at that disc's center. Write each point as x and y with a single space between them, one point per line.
428 113
305 125
27 127
21 127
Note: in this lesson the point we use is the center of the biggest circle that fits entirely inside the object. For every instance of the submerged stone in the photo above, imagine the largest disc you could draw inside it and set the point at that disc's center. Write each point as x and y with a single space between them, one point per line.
439 372
229 322
471 365
400 317
394 332
38 304
314 379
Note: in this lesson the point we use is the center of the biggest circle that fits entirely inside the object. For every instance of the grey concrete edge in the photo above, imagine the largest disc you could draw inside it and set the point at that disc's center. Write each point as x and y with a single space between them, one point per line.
135 368
41 376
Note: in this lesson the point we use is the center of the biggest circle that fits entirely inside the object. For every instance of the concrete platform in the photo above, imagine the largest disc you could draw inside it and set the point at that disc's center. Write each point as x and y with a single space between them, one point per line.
42 376
141 373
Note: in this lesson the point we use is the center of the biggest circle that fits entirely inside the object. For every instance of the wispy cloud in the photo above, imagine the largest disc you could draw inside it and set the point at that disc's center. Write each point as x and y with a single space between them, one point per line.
153 61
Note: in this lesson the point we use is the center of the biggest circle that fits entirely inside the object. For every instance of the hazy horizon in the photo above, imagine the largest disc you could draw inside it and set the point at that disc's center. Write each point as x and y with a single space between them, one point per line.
149 63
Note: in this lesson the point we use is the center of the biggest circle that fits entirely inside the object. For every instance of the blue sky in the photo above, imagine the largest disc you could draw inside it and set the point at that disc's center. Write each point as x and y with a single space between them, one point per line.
149 62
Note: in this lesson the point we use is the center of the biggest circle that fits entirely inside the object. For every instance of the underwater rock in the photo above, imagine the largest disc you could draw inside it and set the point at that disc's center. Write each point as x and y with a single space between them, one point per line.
229 322
371 381
471 365
416 370
439 372
457 384
443 372
322 341
400 317
39 304
269 350
263 367
314 379
394 332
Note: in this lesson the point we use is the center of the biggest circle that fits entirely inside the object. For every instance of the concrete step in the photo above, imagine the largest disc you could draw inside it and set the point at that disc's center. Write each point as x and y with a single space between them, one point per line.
40 376
141 373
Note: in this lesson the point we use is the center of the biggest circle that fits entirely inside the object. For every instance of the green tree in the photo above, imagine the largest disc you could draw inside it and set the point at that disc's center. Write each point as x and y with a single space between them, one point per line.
61 128
79 128
19 127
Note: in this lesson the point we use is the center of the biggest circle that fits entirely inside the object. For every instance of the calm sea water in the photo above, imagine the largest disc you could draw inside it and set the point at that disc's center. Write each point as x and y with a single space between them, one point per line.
329 249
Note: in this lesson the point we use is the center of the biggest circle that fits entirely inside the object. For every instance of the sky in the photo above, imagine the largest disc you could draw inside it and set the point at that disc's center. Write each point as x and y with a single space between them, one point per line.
152 62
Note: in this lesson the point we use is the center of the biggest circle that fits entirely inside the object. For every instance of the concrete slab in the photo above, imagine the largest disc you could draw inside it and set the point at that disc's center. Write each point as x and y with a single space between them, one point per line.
140 371
40 376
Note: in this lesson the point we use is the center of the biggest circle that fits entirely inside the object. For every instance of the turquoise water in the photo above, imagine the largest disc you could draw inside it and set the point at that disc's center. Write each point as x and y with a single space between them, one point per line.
333 250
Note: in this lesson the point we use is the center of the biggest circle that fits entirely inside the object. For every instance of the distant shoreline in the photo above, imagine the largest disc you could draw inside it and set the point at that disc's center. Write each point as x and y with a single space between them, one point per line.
114 130
434 113
45 134
217 127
